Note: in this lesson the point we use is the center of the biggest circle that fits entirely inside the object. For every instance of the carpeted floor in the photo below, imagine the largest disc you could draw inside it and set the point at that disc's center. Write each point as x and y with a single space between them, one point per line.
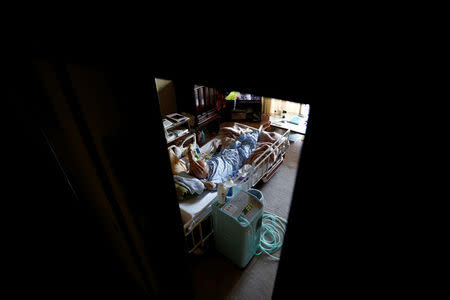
215 277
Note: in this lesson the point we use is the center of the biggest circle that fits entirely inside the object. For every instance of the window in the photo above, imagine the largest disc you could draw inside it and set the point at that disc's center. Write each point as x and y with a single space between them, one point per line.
276 107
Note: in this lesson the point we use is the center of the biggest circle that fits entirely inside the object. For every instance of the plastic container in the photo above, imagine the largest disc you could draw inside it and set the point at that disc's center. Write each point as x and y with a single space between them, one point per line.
229 184
221 194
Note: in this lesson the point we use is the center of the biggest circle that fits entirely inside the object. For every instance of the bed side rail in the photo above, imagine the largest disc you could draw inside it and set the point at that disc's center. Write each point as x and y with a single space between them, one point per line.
183 148
282 140
261 164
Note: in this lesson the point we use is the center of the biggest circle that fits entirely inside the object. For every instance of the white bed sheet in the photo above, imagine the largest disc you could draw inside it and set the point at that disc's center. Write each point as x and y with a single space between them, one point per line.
192 208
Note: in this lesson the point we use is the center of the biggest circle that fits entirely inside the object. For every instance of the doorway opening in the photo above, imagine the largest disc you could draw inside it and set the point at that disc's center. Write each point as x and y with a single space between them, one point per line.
200 122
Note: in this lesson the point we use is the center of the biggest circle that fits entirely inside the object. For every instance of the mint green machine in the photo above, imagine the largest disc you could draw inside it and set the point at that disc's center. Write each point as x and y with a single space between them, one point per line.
237 225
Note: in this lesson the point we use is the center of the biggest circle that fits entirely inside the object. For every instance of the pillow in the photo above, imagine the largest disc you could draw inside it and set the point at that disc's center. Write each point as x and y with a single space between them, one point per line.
177 165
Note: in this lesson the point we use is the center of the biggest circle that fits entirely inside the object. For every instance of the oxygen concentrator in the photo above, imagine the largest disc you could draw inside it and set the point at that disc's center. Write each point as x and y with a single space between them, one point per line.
237 226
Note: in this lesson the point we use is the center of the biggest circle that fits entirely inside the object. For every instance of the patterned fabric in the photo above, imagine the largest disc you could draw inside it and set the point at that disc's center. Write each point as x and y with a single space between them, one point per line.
232 158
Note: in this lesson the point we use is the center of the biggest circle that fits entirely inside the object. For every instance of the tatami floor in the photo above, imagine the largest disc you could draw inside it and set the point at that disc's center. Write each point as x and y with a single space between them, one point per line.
215 277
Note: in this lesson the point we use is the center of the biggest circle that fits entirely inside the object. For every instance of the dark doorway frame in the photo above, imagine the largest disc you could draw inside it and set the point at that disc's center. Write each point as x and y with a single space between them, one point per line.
134 90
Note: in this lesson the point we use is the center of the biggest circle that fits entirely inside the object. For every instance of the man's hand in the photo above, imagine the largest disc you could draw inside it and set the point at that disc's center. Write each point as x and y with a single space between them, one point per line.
209 185
197 168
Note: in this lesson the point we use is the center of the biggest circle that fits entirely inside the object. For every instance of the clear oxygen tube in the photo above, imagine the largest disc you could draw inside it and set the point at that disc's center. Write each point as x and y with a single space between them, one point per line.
273 228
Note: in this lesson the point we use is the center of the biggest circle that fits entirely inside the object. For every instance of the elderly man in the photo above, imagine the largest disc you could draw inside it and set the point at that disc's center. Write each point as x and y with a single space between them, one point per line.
218 168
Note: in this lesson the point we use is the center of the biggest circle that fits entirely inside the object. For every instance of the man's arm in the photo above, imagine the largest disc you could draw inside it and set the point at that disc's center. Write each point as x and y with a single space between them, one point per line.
260 128
208 184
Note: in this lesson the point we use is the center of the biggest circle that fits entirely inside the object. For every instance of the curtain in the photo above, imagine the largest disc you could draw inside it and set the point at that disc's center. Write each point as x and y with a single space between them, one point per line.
304 109
266 105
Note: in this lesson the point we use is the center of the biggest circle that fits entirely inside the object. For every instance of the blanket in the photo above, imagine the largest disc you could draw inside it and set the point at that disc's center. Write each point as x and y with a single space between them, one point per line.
192 184
230 133
232 158
188 185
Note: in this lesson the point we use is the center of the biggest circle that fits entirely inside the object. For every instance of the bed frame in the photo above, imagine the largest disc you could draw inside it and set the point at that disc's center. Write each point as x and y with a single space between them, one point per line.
199 229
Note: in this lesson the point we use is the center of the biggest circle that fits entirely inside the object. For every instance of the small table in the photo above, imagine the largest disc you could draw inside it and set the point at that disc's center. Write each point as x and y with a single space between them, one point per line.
283 123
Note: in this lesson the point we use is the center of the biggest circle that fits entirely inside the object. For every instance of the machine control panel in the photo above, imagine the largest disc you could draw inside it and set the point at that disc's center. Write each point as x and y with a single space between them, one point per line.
243 203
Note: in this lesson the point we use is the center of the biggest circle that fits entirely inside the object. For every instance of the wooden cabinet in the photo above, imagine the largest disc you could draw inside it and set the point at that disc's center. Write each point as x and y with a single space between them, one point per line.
204 103
205 100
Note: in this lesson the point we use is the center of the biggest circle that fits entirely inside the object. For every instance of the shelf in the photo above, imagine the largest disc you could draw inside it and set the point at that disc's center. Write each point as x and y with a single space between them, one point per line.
178 137
182 125
174 125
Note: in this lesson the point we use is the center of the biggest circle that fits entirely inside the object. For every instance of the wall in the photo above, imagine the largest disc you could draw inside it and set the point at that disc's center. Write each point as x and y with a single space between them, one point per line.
109 126
103 118
166 96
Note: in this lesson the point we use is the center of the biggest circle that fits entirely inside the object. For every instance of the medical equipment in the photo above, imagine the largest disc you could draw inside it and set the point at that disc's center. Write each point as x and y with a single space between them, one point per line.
242 229
196 210
237 227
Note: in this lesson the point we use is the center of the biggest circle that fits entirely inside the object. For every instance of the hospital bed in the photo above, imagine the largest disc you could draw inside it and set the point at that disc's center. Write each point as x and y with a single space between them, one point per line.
196 210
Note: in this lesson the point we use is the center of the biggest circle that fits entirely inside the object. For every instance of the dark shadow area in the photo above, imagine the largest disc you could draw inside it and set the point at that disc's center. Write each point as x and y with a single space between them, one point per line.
72 248
336 242
56 246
